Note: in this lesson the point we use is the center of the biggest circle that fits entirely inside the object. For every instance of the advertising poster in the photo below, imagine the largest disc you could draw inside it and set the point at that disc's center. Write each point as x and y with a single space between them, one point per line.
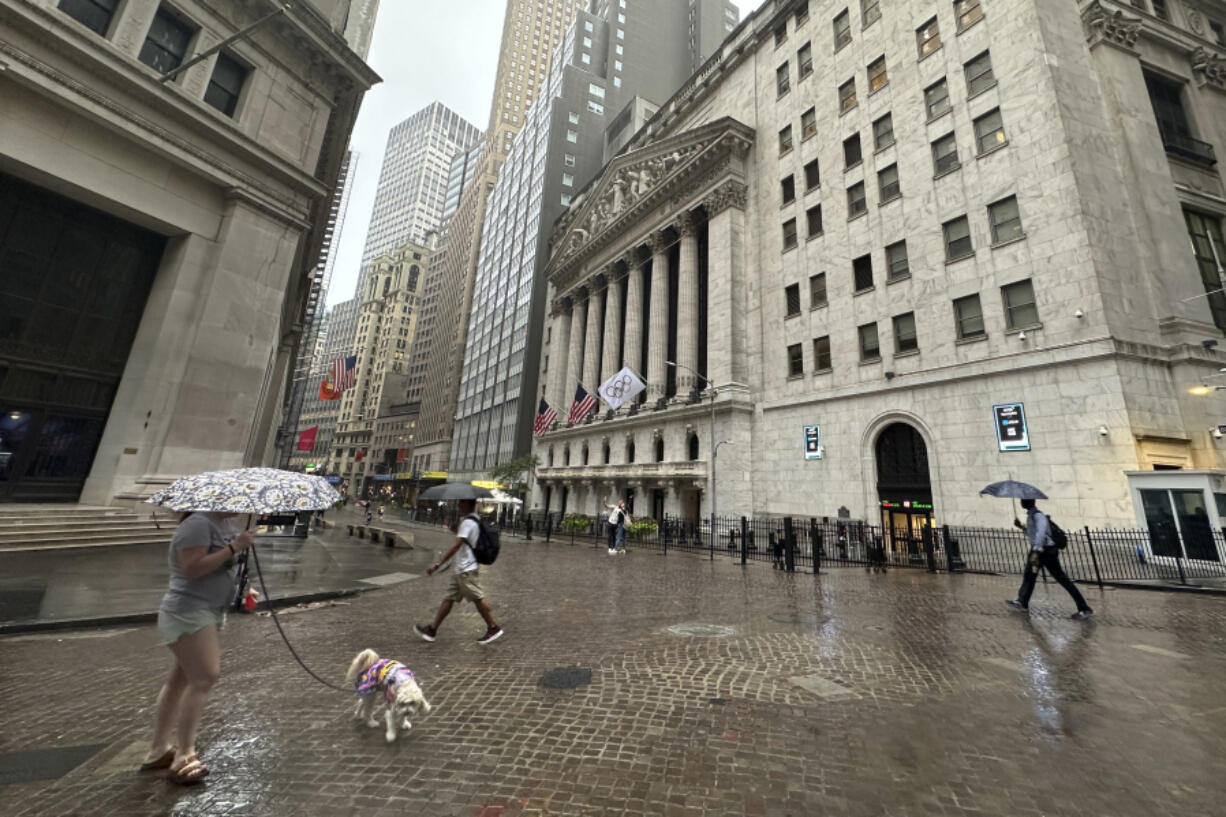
1011 432
813 442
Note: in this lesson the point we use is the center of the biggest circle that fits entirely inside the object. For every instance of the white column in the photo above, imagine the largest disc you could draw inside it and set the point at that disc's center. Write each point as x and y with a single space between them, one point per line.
726 324
657 327
591 346
687 305
560 353
632 352
574 357
613 320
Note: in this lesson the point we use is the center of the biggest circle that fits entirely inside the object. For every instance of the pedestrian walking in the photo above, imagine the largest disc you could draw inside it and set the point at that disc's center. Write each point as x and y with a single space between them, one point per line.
465 578
203 566
380 511
615 525
1044 554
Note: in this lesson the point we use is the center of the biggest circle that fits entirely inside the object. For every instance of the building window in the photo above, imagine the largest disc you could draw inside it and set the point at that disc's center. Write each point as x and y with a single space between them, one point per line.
989 131
1173 126
781 34
568 180
968 13
897 264
821 354
945 154
587 26
808 123
877 76
568 159
862 273
870 12
887 183
847 95
802 13
167 42
789 234
595 107
817 290
857 205
571 136
574 118
226 84
928 37
785 140
979 76
587 42
842 29
936 99
796 360
782 83
1006 221
813 176
958 239
595 90
93 14
1160 9
870 347
792 299
905 339
788 189
585 58
565 199
804 61
852 155
1219 32
1206 234
813 217
883 132
969 317
1020 309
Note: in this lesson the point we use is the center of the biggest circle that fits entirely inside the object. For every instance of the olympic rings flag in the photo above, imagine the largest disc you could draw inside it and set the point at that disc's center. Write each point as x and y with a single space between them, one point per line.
621 387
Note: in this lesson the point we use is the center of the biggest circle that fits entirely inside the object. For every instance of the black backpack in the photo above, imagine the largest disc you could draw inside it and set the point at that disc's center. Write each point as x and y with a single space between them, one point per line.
1058 537
487 547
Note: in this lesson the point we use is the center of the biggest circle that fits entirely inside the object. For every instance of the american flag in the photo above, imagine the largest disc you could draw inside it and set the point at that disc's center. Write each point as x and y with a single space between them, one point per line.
344 373
544 418
584 405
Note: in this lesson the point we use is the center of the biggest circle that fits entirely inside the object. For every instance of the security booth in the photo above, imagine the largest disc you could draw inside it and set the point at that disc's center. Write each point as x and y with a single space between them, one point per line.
1184 513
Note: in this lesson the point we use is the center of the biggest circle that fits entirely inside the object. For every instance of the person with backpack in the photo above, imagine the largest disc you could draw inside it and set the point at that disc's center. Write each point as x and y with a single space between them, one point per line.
475 544
1046 541
617 523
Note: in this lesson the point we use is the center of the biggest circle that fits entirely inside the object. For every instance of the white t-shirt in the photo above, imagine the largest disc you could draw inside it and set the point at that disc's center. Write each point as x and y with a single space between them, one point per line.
614 516
470 531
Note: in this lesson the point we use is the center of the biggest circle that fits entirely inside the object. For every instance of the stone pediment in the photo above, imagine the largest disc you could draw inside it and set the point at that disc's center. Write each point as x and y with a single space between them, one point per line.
635 183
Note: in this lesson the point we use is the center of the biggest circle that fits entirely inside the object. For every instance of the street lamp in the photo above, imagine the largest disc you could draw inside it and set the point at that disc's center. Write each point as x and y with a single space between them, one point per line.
711 480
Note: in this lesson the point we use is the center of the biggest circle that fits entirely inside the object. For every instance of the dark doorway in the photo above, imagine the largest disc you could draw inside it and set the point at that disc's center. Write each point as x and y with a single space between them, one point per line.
73 286
904 489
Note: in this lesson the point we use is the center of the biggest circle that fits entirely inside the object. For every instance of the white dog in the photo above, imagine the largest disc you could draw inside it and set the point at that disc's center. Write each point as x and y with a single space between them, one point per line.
369 673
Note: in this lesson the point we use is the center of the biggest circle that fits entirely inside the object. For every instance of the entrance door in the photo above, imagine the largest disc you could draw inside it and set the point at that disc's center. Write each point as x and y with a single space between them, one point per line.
904 489
73 286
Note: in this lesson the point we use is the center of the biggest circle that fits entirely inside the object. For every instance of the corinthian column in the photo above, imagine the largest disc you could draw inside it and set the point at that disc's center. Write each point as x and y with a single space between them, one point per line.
560 352
613 320
574 356
726 320
591 346
632 348
687 305
657 319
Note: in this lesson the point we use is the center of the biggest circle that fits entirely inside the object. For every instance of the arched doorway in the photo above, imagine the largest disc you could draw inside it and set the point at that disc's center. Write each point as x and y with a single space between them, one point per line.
904 489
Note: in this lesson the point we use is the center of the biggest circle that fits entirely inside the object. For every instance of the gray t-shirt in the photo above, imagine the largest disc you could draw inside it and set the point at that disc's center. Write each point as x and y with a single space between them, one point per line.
209 592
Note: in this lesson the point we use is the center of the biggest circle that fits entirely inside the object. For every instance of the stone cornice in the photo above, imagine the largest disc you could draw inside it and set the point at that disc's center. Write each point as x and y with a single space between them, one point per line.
731 193
1110 25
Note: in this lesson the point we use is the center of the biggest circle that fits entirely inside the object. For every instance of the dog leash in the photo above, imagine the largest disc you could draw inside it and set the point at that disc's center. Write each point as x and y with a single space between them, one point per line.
268 602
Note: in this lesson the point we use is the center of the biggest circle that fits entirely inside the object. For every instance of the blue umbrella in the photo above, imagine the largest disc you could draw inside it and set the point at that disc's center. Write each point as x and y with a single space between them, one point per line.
1012 489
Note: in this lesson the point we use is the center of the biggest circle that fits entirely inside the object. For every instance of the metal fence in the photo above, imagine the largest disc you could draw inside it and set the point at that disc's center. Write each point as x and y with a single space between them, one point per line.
1101 555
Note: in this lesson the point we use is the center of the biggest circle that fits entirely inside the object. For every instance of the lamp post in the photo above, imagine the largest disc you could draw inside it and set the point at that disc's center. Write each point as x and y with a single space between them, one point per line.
711 481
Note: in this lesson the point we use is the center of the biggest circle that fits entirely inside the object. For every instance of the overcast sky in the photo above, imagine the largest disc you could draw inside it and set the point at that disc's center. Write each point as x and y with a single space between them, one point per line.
417 53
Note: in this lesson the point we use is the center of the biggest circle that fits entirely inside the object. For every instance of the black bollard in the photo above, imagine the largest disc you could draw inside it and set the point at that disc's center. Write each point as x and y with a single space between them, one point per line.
789 545
817 554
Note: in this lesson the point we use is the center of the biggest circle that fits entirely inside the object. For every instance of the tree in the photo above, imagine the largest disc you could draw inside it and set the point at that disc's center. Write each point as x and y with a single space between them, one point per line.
515 473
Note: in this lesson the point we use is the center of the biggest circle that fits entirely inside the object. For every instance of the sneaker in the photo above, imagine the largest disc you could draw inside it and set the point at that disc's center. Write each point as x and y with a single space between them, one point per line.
612 552
1082 615
426 631
492 634
1015 604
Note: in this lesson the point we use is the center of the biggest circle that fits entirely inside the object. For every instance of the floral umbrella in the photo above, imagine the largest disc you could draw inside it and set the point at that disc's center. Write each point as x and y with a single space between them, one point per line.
247 490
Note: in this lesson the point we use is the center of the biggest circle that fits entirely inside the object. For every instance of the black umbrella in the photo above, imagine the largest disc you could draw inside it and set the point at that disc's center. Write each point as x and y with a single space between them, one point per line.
454 490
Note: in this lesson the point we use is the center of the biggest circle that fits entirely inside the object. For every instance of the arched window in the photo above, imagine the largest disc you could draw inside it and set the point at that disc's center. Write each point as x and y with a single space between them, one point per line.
413 278
630 451
551 456
606 454
566 455
693 446
387 285
585 453
660 450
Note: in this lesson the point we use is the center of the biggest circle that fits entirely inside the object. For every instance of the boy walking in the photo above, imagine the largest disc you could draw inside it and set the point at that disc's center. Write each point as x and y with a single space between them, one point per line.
1044 553
465 584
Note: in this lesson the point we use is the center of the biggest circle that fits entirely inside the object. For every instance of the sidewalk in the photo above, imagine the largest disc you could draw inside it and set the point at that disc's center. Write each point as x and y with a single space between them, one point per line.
48 589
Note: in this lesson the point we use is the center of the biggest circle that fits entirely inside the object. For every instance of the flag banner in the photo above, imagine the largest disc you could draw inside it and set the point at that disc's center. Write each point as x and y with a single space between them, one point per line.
361 455
306 440
584 405
621 388
327 391
544 418
344 373
402 454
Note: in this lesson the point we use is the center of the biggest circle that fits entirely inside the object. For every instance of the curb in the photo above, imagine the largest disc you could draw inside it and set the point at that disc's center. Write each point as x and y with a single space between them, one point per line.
12 628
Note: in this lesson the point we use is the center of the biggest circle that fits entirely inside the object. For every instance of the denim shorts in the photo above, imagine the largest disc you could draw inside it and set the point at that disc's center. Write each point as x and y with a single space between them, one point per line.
173 626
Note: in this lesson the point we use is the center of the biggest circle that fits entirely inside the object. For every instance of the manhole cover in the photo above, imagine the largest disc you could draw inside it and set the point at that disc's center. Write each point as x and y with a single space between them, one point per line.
696 629
566 678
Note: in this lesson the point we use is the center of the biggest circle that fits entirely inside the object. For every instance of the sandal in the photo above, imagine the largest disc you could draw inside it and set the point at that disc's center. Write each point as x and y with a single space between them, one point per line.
190 773
164 761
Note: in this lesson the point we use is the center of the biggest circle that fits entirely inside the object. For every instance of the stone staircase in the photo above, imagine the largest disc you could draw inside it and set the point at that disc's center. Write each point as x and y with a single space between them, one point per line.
26 527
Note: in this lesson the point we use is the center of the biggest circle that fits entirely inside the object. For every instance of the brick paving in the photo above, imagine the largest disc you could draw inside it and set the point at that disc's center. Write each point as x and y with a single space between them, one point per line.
843 694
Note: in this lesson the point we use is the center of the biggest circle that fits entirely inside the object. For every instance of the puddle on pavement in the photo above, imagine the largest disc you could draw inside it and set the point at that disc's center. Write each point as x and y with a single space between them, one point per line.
44 764
697 629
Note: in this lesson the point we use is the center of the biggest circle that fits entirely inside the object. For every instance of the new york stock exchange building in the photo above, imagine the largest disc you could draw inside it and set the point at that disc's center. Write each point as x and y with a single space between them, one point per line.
953 244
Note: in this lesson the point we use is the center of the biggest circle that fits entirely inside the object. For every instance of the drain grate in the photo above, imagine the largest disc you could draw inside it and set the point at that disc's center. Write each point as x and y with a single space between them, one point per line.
566 678
43 764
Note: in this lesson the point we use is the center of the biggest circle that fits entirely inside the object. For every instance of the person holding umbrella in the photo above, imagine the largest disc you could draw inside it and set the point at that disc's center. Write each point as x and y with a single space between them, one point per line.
1043 551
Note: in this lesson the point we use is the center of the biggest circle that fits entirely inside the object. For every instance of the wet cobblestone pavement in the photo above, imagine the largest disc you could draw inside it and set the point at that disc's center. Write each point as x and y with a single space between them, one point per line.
713 690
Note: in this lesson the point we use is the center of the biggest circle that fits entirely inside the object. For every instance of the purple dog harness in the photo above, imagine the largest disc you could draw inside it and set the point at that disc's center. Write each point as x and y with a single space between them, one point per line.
384 674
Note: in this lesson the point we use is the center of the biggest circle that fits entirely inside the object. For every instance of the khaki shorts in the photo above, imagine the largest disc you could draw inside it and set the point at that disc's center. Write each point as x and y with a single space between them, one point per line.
465 587
173 626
